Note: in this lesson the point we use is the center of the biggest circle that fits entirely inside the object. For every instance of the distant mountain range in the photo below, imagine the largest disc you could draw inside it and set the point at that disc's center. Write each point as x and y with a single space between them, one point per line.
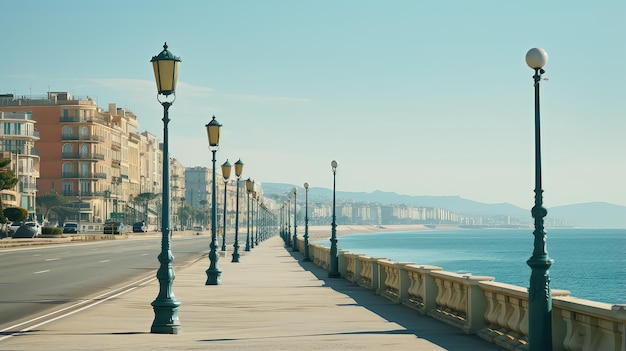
587 215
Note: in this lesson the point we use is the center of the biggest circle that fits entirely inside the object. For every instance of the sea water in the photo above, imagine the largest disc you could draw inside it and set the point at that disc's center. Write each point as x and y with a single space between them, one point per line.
590 263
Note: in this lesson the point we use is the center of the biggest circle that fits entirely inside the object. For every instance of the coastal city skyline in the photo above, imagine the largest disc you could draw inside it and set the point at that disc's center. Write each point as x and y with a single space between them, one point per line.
417 99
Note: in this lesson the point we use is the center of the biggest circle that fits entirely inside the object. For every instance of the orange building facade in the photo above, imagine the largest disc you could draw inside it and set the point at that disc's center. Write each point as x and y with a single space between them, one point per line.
90 155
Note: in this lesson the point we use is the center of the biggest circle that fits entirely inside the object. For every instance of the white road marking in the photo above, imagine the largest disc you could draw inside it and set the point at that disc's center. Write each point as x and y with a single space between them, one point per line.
52 259
105 261
46 271
90 303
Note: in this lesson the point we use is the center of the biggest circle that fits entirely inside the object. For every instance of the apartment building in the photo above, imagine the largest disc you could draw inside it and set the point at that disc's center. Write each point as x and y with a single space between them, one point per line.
198 186
18 144
95 157
198 195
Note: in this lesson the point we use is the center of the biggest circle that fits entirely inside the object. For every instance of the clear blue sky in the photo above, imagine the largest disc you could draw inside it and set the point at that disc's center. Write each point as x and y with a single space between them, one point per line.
414 97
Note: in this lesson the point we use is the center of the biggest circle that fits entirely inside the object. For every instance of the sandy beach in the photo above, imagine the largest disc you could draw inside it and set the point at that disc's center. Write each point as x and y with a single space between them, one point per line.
322 232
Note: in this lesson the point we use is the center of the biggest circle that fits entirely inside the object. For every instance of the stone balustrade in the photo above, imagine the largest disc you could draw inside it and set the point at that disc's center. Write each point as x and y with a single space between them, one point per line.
495 311
588 325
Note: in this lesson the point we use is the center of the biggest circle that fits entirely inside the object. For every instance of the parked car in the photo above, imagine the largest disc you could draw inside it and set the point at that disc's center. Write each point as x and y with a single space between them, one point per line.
13 227
71 228
27 230
140 227
35 226
113 227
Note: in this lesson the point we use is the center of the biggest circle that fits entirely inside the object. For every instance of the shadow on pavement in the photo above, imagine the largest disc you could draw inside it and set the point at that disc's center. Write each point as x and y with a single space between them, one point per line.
421 326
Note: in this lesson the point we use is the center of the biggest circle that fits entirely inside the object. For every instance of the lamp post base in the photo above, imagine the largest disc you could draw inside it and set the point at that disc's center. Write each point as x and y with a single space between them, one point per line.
165 317
213 277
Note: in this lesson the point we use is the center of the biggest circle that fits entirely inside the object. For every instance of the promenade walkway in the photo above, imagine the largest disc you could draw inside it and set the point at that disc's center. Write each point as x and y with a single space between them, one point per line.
270 300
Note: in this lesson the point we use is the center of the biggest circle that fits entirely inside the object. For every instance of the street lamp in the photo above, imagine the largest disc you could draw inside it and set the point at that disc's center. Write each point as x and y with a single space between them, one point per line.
282 223
238 171
253 221
539 296
306 222
165 306
334 259
259 199
226 167
213 273
249 188
289 221
294 246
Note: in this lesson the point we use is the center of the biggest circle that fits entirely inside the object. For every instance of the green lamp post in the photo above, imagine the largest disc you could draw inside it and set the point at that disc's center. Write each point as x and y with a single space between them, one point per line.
282 223
294 244
226 167
539 296
165 306
249 189
253 222
238 171
306 222
334 258
213 273
289 244
259 200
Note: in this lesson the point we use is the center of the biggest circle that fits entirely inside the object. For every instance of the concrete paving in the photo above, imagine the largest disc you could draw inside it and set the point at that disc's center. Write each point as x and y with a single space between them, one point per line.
270 300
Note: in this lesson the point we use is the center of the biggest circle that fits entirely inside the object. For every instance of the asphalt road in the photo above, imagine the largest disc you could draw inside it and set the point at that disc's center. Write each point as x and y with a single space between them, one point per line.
36 280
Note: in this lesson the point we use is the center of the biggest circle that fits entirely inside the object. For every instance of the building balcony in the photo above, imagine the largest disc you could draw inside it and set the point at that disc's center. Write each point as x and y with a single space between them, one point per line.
85 194
27 187
116 145
116 163
34 136
84 138
82 156
73 119
84 175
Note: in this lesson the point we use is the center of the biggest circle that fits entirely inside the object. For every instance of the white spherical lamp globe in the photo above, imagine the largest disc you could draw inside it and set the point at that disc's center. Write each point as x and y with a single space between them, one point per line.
536 58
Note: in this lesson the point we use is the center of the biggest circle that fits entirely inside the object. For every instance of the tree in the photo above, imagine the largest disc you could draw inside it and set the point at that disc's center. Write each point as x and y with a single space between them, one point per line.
7 181
15 214
146 198
63 212
185 213
52 202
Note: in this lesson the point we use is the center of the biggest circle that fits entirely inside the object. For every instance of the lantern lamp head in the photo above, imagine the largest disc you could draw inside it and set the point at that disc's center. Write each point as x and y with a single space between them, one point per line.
238 168
249 185
213 132
226 168
166 66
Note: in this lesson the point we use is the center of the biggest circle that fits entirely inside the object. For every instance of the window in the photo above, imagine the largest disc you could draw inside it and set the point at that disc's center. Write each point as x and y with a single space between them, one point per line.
67 188
84 187
67 169
85 169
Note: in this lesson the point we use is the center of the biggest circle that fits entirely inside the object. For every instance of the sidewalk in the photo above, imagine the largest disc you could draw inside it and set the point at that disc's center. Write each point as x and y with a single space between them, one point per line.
270 300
